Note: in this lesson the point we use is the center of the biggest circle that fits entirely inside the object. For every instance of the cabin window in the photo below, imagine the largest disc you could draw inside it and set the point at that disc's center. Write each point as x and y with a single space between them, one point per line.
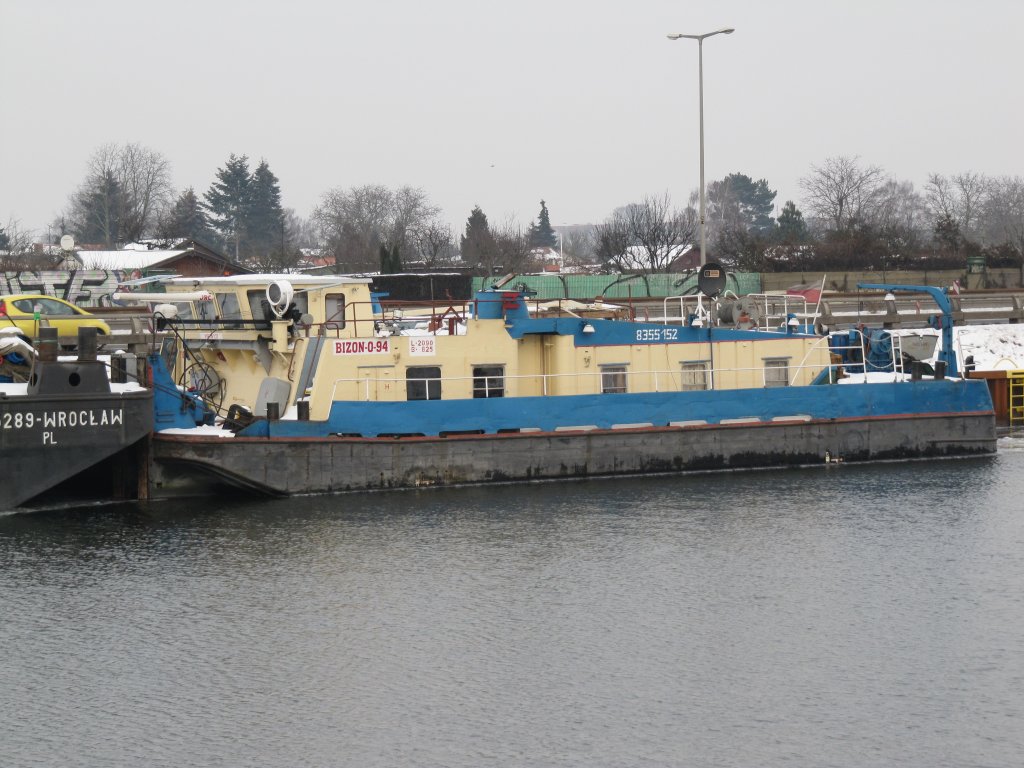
488 381
776 372
613 379
694 376
207 310
423 382
334 305
184 310
229 309
259 307
262 313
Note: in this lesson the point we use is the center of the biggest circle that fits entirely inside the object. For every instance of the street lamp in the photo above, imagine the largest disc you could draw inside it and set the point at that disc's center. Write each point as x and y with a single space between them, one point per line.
700 71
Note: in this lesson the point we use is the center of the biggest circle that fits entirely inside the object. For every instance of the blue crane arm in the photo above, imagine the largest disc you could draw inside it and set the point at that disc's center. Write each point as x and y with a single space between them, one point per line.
941 298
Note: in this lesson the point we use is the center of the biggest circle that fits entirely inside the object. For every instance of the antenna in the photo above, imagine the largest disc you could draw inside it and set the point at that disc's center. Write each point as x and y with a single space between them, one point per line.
711 279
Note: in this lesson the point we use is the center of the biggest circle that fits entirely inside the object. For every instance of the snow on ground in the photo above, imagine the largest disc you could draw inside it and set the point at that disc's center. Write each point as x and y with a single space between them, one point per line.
995 347
999 346
201 429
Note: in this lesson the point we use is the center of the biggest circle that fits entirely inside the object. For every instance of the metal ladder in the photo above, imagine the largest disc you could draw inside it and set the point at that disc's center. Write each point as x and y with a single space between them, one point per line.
1016 397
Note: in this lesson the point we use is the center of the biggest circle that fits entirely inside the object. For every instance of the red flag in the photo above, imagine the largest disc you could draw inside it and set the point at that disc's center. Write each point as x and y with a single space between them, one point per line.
811 295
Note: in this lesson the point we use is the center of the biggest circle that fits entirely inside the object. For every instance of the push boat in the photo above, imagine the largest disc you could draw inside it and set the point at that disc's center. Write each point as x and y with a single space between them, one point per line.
293 384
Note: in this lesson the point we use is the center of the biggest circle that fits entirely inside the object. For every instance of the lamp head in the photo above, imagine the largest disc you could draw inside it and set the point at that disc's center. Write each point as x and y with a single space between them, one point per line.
677 36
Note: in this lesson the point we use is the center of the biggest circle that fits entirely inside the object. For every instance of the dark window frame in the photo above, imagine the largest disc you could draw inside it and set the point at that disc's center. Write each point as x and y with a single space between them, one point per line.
488 381
614 379
423 382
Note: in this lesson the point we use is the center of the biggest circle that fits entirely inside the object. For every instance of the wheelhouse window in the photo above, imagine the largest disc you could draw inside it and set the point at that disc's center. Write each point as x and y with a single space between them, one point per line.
423 382
776 372
184 310
228 304
613 379
259 307
694 376
488 381
205 310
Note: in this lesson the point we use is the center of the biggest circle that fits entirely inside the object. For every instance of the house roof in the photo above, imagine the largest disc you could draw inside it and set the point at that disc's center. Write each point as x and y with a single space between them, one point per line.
156 254
127 259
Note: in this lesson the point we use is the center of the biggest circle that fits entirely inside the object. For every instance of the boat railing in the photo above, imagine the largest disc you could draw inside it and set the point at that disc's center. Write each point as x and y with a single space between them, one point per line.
655 380
754 311
383 318
858 353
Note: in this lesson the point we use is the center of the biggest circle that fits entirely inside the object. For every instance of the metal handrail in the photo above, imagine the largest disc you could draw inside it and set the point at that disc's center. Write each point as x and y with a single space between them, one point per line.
671 377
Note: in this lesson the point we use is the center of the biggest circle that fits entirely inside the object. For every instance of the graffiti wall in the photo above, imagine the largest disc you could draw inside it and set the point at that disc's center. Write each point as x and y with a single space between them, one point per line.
84 287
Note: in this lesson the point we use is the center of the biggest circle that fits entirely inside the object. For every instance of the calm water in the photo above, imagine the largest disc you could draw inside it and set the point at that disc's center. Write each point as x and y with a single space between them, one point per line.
847 616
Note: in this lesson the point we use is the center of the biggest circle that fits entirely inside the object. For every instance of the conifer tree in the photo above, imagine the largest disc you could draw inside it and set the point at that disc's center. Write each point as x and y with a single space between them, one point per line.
477 245
264 219
227 203
792 227
186 219
541 233
98 211
390 260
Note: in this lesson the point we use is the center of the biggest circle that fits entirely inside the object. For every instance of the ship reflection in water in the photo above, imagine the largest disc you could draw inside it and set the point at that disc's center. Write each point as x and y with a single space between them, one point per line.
842 616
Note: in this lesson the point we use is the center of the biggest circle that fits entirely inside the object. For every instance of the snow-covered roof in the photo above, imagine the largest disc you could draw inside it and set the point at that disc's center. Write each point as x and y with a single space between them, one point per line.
296 279
125 259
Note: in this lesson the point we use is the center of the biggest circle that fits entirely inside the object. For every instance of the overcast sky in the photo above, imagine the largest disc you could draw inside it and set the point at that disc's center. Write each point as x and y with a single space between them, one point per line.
585 104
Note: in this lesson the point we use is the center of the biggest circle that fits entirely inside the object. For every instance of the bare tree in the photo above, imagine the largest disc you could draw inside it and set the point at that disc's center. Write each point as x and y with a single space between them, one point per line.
578 244
411 210
957 199
841 192
900 217
124 191
1004 215
433 244
15 246
145 177
513 249
302 231
354 223
646 236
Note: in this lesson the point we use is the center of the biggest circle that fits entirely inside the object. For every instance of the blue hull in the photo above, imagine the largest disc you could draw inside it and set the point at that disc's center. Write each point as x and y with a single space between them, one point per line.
495 415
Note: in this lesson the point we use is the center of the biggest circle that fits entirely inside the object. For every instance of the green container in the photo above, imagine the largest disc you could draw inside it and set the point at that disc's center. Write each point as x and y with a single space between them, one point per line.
589 287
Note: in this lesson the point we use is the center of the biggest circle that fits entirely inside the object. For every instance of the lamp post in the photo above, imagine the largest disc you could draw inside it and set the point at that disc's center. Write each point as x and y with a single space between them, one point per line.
700 74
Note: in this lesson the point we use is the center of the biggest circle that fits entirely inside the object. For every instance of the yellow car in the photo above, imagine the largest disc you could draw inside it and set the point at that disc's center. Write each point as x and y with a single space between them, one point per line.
30 311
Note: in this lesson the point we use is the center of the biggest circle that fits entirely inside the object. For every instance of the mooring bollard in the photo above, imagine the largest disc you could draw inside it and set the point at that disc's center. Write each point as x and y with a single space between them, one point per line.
273 411
303 410
118 369
47 346
87 344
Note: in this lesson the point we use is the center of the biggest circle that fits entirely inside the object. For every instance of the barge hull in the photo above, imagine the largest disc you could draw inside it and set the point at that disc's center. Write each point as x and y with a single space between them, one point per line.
46 439
282 466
